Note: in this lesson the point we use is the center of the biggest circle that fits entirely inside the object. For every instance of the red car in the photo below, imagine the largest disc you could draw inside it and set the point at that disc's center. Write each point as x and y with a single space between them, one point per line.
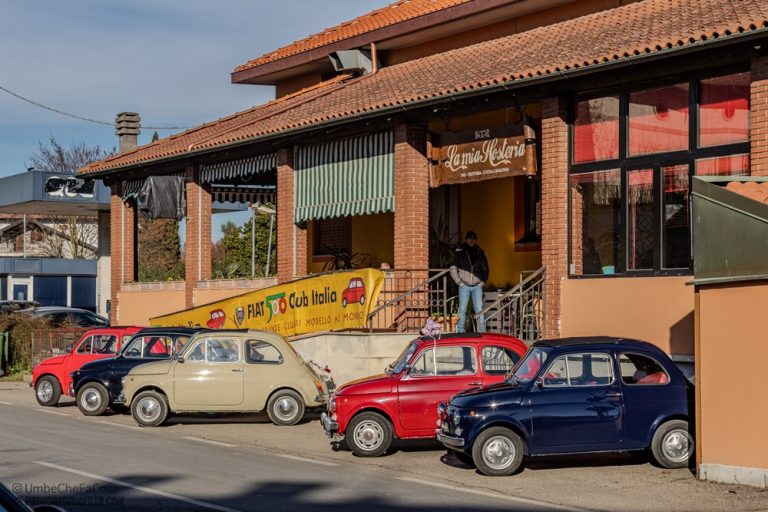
402 403
354 292
53 375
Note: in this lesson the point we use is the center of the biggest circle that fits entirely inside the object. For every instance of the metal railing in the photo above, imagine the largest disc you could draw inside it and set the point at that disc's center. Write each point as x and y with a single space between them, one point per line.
410 297
53 342
519 311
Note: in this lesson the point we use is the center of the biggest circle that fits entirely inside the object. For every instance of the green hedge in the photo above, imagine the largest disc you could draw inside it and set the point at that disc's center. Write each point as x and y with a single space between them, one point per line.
20 329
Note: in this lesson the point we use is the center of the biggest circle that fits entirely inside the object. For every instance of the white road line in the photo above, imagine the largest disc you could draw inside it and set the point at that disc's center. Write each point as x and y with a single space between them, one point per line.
141 488
5 403
489 494
111 424
53 412
201 440
303 459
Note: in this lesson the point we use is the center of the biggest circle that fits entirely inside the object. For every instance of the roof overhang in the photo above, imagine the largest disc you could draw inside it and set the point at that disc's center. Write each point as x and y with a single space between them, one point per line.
48 193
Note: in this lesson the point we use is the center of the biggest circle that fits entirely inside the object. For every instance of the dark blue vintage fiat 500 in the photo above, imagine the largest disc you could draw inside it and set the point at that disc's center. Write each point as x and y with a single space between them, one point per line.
574 395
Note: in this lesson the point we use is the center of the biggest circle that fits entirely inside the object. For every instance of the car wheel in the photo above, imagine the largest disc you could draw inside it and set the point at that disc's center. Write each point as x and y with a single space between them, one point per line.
369 434
462 457
285 407
92 399
344 301
498 452
47 391
672 444
149 409
362 300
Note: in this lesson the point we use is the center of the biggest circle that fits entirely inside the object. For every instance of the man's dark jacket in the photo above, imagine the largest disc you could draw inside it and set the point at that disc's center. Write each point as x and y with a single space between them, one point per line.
470 266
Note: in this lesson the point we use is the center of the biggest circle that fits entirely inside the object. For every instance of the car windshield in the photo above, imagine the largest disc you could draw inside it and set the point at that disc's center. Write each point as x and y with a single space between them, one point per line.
398 364
529 366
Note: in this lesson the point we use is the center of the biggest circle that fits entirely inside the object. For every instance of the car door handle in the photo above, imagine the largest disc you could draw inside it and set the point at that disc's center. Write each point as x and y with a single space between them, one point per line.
237 370
613 394
475 384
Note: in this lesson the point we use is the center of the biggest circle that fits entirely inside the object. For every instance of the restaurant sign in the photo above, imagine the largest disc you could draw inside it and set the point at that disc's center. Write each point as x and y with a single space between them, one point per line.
475 155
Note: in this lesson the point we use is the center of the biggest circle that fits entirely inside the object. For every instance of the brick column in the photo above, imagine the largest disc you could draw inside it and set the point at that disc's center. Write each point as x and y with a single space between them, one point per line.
197 244
411 198
122 246
759 117
554 198
291 239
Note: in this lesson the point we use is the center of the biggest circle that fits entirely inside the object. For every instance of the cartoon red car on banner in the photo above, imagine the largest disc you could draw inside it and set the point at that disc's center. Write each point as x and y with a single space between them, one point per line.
218 317
355 292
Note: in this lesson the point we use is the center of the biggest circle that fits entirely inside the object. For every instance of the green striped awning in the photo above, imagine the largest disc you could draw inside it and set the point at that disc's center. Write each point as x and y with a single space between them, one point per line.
237 169
345 177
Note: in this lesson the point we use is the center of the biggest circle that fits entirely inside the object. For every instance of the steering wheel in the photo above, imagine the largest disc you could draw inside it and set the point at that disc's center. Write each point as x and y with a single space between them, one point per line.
134 352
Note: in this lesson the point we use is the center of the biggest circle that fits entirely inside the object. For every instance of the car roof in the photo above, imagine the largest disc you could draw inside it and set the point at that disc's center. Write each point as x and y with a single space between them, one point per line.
588 341
168 330
471 336
56 309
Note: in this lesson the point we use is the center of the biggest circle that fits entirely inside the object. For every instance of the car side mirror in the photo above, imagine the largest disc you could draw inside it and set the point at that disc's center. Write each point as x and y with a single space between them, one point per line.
540 383
180 358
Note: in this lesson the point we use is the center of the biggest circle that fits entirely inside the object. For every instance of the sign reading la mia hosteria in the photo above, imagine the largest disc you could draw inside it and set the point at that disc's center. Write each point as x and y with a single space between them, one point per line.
475 155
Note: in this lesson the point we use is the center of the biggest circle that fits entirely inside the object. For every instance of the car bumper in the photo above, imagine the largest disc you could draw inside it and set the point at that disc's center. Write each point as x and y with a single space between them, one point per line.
331 427
449 441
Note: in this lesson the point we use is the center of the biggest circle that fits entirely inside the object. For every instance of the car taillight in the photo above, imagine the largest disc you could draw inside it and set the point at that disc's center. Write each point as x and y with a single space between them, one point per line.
319 387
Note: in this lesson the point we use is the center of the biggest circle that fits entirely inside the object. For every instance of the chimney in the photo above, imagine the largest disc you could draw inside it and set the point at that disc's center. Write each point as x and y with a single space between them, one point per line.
127 128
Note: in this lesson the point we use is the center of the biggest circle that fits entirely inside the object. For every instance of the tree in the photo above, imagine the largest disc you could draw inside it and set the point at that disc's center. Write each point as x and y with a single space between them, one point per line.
65 236
159 250
232 254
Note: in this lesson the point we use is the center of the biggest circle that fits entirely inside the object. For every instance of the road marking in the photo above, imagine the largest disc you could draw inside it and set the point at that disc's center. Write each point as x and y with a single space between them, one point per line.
5 403
489 494
52 412
111 424
304 459
148 490
201 440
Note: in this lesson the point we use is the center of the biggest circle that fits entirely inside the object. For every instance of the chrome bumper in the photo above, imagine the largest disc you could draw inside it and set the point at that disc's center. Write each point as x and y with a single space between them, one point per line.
449 441
330 427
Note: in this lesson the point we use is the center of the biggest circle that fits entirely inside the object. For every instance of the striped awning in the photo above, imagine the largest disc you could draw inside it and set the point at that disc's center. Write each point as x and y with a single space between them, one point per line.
346 177
253 195
240 170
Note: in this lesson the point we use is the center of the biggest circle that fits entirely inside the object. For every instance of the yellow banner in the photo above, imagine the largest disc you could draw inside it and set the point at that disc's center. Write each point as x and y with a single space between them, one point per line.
333 301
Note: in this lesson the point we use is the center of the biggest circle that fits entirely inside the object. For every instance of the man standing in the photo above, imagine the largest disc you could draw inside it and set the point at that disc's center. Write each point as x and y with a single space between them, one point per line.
470 272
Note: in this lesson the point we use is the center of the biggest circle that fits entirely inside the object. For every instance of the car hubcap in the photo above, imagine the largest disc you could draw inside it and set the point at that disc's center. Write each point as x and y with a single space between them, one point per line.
44 391
369 435
677 445
286 408
91 400
149 409
498 452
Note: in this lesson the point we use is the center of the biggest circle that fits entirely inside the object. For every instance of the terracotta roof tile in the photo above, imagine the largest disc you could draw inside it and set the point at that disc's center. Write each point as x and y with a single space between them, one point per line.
396 12
639 28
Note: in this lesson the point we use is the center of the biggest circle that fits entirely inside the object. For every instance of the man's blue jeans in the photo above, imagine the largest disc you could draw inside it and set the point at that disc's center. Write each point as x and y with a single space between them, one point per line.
477 302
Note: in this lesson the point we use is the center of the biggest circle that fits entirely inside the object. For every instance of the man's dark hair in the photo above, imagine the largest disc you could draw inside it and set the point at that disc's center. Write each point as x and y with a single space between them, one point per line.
471 235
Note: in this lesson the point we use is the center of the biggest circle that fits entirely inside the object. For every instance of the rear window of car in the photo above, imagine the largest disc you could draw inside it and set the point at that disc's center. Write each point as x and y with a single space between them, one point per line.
641 370
498 360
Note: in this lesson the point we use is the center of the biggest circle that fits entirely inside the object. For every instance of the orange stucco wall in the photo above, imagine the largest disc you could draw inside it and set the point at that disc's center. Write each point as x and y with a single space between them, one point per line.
654 309
730 375
137 307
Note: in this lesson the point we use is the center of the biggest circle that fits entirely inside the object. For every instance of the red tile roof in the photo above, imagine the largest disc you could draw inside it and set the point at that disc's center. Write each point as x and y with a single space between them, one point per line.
637 29
397 12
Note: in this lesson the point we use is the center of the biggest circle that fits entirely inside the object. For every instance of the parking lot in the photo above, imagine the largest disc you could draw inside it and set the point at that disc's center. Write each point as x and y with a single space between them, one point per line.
198 452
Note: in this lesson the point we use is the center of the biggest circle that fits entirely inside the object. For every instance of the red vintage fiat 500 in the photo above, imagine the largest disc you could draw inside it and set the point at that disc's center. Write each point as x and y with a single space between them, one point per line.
53 375
402 403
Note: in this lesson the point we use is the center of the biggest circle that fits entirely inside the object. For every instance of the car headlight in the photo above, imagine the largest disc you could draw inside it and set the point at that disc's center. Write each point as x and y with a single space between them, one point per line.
456 417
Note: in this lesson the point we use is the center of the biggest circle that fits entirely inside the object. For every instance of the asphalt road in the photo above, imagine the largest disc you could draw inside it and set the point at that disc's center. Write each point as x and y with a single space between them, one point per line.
243 463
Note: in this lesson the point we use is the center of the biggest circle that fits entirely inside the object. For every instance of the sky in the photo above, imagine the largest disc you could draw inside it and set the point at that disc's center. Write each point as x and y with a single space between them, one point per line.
168 60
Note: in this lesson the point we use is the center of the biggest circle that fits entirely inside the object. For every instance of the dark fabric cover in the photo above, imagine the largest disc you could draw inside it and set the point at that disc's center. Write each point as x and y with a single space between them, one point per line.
162 197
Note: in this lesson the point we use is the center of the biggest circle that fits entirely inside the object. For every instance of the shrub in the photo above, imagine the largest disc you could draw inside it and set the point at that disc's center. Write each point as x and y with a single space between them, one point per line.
20 327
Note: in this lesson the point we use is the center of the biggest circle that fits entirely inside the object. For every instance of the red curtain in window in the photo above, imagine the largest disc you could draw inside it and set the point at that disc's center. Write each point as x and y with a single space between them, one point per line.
658 120
724 110
596 130
732 165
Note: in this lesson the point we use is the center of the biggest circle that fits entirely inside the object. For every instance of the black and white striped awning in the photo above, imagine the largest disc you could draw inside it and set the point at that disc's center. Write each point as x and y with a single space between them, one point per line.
253 195
240 170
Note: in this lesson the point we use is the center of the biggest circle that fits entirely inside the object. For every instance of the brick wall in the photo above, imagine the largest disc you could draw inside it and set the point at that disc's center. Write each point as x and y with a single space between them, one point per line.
197 245
759 116
411 198
122 246
288 233
554 197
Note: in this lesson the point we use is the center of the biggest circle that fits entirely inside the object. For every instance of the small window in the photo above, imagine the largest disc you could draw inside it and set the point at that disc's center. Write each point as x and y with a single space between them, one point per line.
86 346
133 349
731 165
658 120
580 370
596 130
105 344
261 352
641 370
197 353
180 342
724 110
158 347
445 361
222 351
498 360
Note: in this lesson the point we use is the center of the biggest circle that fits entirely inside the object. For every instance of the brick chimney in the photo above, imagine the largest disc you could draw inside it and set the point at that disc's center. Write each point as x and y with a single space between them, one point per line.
127 128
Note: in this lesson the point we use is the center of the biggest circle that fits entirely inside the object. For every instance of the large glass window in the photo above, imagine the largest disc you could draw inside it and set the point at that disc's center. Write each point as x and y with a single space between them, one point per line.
630 208
51 290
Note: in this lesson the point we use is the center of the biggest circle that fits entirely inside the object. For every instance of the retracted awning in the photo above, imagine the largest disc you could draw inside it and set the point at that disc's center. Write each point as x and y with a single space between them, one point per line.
237 170
346 177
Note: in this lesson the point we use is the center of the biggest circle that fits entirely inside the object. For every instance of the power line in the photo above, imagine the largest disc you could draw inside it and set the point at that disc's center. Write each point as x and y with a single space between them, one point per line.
87 119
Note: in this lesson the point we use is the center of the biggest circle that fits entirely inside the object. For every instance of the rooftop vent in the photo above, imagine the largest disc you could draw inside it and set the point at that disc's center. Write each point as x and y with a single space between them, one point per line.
353 61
